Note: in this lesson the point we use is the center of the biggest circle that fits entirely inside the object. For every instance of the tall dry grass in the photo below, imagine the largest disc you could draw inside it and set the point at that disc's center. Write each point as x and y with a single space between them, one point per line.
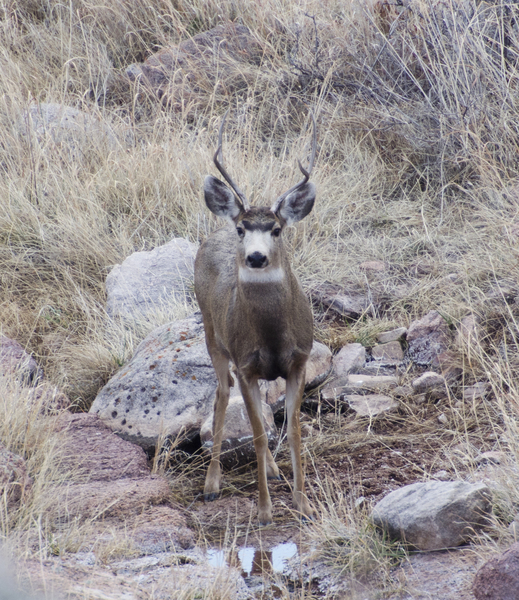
416 105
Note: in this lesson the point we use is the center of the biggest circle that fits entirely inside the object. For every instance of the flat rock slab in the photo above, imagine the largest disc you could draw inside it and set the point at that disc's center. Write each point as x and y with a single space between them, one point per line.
149 281
392 336
388 353
166 389
102 475
339 301
435 515
370 405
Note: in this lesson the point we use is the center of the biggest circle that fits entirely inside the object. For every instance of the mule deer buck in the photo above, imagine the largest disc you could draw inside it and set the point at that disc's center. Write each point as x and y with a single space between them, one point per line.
256 315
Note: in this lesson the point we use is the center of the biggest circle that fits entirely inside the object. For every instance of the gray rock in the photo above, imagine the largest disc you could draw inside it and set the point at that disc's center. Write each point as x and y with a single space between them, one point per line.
498 579
389 353
176 73
474 392
371 405
350 357
351 306
237 442
430 382
149 281
434 515
66 128
358 385
392 336
428 339
370 383
468 331
375 266
166 389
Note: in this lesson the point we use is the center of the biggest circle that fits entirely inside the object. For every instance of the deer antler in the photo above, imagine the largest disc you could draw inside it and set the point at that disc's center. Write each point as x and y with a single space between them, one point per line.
238 193
306 173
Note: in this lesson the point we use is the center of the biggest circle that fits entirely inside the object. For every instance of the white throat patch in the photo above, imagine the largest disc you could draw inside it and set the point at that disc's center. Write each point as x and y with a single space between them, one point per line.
266 275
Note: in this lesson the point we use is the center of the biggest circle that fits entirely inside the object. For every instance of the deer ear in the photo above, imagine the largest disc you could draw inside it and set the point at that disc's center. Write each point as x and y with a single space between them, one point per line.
298 204
220 199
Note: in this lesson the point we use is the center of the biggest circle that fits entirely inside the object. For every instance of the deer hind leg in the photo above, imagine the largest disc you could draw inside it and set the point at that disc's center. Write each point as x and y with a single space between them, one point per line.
212 479
294 397
266 465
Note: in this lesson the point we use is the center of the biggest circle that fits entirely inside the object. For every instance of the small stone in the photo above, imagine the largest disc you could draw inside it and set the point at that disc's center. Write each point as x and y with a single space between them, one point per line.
371 405
371 383
494 457
350 358
443 419
442 475
373 265
403 391
476 391
428 381
392 336
428 339
388 353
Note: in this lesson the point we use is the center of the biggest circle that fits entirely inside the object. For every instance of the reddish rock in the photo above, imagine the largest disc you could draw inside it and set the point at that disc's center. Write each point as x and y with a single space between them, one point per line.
498 579
105 475
14 360
175 73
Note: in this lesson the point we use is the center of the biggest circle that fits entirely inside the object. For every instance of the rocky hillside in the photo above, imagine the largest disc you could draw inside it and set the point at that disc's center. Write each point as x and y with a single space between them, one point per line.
109 115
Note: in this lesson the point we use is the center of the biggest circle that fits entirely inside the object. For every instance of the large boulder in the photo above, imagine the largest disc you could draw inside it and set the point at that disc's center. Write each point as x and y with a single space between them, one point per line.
165 390
237 442
149 281
498 579
433 515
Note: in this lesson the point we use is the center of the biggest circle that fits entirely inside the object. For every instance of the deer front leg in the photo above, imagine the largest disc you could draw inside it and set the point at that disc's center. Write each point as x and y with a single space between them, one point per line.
294 397
251 395
212 479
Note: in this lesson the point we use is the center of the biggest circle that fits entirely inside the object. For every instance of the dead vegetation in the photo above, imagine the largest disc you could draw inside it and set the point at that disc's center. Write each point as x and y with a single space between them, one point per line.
416 105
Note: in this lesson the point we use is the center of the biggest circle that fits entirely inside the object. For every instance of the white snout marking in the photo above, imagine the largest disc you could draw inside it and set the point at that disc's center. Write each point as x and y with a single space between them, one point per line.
257 241
266 275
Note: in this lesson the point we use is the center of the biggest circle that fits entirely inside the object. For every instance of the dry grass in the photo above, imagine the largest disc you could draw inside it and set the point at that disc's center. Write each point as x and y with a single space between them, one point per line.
417 167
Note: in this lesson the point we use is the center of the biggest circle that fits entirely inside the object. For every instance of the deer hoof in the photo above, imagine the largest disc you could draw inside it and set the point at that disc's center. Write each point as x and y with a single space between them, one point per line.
210 497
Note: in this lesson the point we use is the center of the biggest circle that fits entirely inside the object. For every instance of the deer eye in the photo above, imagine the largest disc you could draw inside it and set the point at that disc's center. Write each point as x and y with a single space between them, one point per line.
240 231
276 232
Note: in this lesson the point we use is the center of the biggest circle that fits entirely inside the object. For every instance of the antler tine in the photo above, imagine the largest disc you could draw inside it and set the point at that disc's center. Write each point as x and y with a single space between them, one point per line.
306 173
239 194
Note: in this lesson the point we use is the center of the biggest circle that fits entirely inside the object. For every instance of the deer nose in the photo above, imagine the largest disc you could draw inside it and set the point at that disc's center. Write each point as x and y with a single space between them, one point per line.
256 260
